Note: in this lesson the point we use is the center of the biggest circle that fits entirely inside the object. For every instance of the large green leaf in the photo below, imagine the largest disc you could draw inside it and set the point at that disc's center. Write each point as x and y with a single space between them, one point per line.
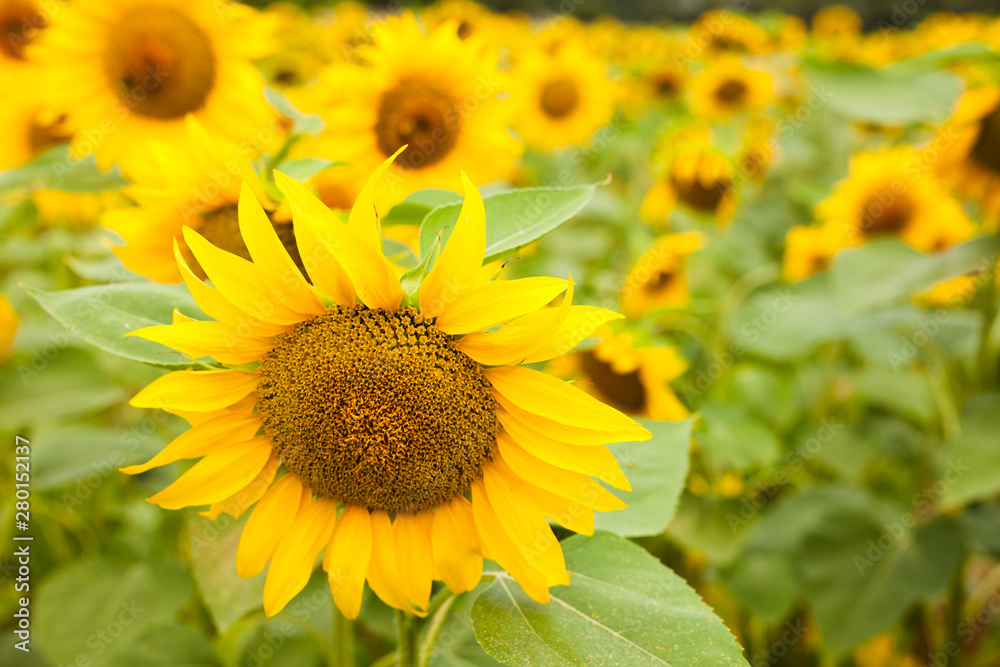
513 219
95 608
68 455
656 469
57 170
623 608
972 467
170 645
103 314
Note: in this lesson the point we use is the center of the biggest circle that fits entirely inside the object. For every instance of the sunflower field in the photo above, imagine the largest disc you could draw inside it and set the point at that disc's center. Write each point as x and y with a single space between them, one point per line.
440 336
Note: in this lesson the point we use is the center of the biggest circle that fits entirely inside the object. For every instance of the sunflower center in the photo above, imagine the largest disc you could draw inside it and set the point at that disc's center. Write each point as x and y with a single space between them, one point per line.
559 97
665 85
660 281
378 409
418 114
698 196
886 215
986 150
221 228
623 390
160 63
732 93
19 22
46 135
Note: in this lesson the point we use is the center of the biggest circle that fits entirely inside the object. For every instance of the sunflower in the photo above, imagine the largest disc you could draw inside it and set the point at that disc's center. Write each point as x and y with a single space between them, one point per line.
195 184
436 93
74 210
300 54
21 23
412 443
691 174
658 279
127 72
809 249
8 328
970 163
727 87
630 377
724 32
28 131
891 193
836 22
561 96
659 83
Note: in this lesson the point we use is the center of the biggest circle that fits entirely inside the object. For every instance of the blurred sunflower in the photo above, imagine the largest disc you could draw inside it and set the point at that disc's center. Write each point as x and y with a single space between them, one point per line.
727 87
28 131
724 32
8 328
21 22
692 174
658 279
891 193
127 72
74 210
809 250
971 163
561 97
195 184
659 83
379 408
300 52
836 21
434 93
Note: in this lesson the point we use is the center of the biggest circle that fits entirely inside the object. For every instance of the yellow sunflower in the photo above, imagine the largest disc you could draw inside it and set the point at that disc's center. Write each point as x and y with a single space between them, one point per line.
300 52
21 22
397 433
658 279
127 72
893 193
970 162
561 96
28 131
8 328
692 174
437 94
723 32
809 249
727 87
195 184
836 21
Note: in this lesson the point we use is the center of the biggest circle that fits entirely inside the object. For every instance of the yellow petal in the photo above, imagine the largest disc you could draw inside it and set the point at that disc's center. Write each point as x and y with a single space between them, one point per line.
566 513
508 413
347 559
570 485
217 476
457 559
483 306
462 257
270 257
324 270
208 339
293 559
526 526
268 522
552 398
384 576
197 391
363 220
204 438
240 282
579 323
502 549
416 562
238 503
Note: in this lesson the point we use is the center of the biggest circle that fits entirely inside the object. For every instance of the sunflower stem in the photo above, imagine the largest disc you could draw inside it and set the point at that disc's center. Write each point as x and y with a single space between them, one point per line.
407 639
436 624
342 641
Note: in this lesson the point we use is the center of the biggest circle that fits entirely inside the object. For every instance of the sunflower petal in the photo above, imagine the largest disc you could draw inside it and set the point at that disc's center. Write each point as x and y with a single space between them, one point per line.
416 562
483 306
566 513
384 575
579 323
292 563
238 503
208 339
457 559
347 559
268 523
217 476
363 220
202 439
196 391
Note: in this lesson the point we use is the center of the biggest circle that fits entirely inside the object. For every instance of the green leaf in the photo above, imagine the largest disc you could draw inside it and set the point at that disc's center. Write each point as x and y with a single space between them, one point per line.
861 574
887 272
895 95
623 608
973 464
95 608
213 566
411 279
415 207
981 524
304 168
302 123
656 469
456 645
66 455
765 583
103 314
171 645
713 526
513 219
737 438
57 170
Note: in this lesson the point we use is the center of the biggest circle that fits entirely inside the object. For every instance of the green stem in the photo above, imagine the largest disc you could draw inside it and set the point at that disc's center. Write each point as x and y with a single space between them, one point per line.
435 626
955 603
342 641
407 639
387 660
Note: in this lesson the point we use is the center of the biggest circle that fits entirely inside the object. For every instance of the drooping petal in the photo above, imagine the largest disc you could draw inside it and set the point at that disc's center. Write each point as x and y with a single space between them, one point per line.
457 558
416 562
348 557
217 476
384 576
270 257
217 432
268 523
593 460
208 339
462 257
238 503
292 563
547 396
483 306
196 391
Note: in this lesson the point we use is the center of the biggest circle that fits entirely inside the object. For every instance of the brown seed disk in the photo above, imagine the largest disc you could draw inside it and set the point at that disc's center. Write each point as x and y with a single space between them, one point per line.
417 114
378 409
221 228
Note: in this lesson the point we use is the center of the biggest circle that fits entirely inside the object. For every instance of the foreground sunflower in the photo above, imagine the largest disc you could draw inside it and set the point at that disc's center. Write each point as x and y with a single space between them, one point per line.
127 72
413 444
